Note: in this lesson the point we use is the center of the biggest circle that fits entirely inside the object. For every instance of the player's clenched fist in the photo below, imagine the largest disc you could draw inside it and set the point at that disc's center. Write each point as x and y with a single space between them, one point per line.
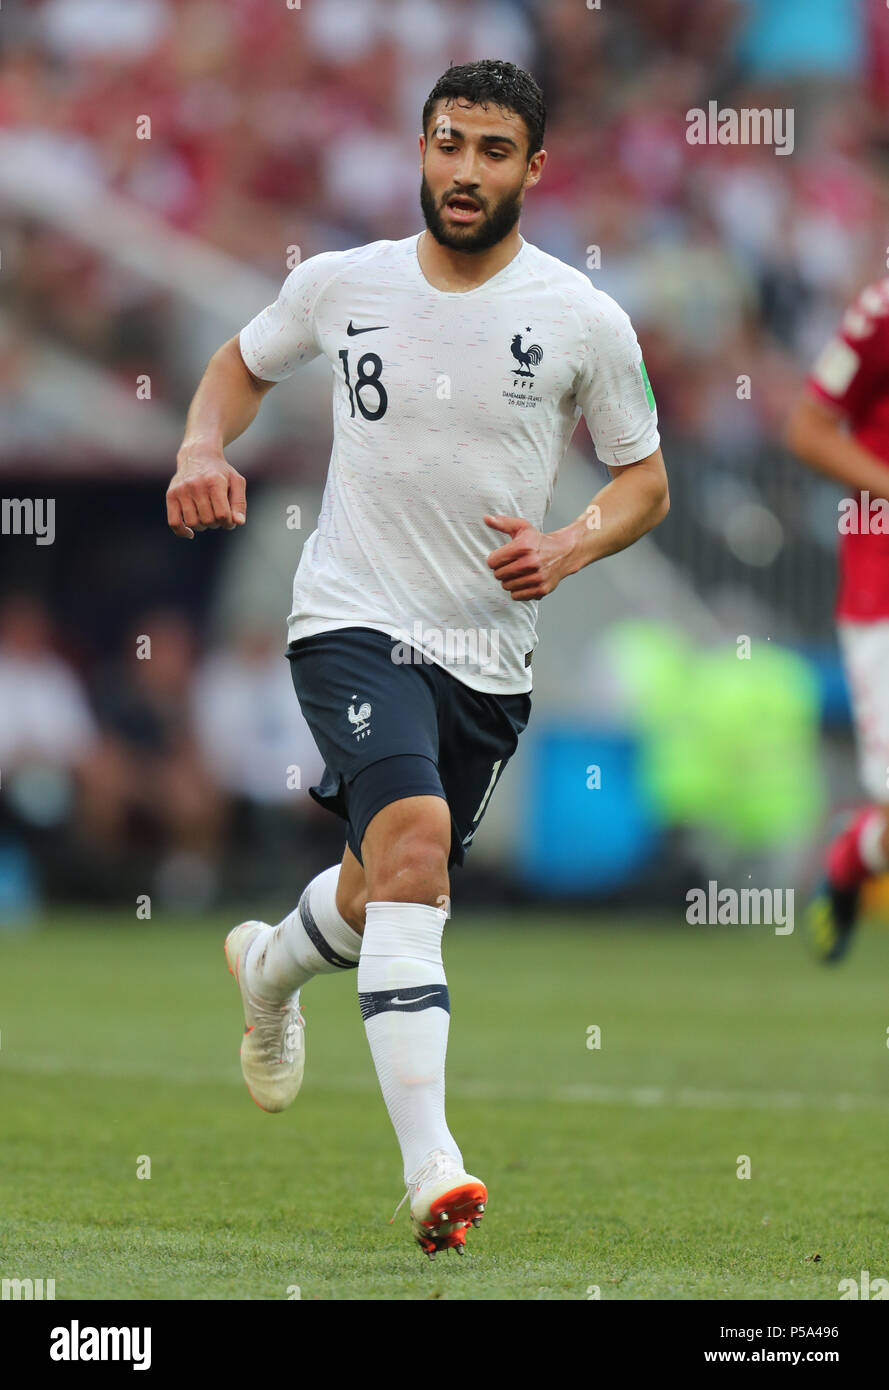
532 563
204 494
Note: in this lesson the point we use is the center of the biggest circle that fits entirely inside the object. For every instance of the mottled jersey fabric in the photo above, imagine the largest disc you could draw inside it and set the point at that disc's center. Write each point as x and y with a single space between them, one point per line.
446 407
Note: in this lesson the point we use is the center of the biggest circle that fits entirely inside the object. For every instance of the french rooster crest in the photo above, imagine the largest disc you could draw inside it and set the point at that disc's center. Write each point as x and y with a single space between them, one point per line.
360 720
526 357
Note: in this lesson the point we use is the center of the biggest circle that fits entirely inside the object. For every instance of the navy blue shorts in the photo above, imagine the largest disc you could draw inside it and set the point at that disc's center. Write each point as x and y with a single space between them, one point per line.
387 730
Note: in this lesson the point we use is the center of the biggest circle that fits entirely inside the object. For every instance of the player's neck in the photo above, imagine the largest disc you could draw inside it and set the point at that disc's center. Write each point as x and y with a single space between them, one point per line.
457 272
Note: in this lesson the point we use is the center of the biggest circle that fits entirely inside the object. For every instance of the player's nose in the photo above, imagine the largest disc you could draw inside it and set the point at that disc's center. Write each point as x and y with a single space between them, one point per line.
466 175
467 186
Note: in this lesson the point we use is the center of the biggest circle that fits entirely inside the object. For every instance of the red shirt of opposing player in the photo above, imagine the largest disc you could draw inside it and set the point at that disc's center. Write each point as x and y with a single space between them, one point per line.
852 376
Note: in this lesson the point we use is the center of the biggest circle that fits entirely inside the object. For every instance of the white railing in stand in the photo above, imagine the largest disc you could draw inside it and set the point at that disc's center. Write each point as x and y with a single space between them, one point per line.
213 294
33 179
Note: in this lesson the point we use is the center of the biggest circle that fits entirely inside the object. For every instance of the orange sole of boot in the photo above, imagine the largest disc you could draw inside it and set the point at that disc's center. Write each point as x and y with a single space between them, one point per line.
464 1204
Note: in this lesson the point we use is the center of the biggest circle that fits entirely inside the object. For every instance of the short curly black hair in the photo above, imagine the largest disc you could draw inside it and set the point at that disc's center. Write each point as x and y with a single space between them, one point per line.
490 79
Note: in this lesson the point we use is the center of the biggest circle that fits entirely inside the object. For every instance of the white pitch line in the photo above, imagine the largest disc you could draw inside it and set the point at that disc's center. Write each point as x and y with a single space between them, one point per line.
579 1093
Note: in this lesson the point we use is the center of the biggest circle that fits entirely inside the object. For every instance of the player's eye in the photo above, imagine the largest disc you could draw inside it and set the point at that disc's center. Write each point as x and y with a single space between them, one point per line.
497 154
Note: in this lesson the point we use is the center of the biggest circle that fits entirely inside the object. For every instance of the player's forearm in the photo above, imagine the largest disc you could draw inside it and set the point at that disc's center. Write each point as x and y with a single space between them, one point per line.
206 492
625 509
819 441
225 403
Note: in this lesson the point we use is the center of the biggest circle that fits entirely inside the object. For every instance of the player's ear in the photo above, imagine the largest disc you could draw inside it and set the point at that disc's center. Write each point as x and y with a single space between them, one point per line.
422 150
535 168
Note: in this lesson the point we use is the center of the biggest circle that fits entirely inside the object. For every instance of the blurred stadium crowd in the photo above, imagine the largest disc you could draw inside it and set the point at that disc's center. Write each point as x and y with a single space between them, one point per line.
151 764
274 126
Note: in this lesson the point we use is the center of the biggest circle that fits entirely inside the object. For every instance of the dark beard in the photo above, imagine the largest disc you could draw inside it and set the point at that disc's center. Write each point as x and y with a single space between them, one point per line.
493 227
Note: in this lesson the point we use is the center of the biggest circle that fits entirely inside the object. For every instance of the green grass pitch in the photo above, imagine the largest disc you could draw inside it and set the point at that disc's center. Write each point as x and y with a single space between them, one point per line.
613 1168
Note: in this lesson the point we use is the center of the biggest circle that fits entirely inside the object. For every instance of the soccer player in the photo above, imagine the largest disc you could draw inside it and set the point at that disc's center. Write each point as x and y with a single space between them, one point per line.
462 358
840 427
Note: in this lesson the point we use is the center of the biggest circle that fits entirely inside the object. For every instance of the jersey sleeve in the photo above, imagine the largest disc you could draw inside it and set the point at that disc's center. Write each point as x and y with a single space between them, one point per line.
853 367
613 389
282 337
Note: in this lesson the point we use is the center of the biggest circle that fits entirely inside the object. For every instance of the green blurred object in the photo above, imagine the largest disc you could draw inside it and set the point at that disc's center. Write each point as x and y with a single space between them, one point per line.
730 741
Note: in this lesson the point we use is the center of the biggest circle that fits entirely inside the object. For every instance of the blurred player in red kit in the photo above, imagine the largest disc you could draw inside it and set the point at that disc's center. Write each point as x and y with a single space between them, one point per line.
840 427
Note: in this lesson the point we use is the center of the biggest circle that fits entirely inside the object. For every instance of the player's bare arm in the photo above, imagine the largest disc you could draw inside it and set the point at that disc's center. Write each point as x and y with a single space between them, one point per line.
818 435
533 563
205 492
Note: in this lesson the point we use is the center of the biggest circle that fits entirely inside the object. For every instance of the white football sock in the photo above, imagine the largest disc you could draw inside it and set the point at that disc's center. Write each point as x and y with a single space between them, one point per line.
870 845
313 939
404 1002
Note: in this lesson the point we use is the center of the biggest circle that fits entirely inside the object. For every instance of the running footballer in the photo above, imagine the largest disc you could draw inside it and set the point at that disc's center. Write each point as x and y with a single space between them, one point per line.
462 358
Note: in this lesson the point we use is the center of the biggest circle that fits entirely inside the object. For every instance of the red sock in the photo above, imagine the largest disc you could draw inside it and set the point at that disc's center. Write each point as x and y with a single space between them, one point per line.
845 866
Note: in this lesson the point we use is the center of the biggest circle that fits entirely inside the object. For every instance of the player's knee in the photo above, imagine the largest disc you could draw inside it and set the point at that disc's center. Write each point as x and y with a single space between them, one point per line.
351 908
414 869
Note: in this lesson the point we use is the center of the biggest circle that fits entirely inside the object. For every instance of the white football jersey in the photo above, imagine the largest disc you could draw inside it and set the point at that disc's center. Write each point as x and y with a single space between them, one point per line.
446 407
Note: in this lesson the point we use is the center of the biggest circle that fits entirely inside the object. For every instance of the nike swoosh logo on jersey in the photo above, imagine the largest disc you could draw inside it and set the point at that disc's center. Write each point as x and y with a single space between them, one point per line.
353 332
396 1000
